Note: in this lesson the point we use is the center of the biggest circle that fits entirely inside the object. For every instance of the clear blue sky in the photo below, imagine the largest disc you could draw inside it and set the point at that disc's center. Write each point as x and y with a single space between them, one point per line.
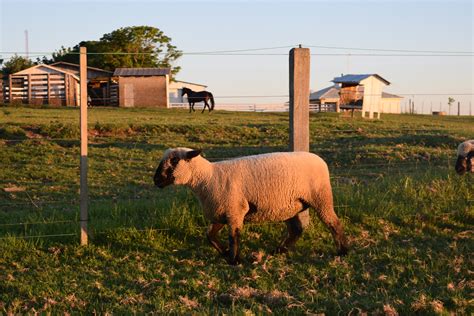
221 25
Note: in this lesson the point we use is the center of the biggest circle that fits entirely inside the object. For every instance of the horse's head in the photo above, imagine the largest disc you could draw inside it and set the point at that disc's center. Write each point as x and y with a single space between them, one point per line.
185 91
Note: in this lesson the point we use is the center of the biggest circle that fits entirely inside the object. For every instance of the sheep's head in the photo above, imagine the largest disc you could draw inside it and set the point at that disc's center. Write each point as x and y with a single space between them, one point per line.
464 163
173 166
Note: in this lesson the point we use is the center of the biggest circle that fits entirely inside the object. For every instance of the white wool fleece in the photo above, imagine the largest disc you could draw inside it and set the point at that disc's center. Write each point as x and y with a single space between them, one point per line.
268 187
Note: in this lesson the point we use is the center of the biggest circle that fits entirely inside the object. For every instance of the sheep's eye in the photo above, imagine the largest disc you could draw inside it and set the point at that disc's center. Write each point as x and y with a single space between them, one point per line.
174 161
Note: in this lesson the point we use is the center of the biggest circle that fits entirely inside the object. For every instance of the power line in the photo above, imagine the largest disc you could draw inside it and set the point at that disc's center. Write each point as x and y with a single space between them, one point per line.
241 50
392 50
237 53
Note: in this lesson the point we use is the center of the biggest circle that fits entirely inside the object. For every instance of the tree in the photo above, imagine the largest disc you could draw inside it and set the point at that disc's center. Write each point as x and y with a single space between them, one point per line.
15 64
450 103
135 46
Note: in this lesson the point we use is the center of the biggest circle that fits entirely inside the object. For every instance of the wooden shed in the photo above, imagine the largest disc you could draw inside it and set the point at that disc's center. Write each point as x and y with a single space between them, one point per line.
99 82
56 84
325 100
142 87
42 84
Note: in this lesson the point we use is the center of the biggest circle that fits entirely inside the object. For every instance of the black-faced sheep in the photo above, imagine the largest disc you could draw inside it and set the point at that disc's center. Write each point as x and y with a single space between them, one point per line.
464 163
268 187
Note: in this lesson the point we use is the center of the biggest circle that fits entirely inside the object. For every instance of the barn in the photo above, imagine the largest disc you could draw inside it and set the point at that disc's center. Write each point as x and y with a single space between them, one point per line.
142 87
58 84
357 92
55 84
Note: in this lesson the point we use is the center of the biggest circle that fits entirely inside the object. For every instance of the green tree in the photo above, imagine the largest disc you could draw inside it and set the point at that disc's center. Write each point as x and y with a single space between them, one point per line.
135 46
15 64
450 103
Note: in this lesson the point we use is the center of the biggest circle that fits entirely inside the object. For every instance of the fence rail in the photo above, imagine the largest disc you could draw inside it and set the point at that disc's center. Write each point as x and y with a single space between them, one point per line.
255 107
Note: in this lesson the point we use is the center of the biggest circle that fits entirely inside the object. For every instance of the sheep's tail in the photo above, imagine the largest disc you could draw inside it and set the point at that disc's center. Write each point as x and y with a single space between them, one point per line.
212 101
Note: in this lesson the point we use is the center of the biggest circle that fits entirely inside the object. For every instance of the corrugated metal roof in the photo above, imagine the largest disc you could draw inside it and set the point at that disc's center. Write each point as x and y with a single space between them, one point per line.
329 92
139 72
31 69
389 95
357 78
63 64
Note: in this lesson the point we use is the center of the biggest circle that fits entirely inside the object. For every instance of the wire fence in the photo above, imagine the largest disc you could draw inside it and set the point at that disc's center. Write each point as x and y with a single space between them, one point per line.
24 191
406 168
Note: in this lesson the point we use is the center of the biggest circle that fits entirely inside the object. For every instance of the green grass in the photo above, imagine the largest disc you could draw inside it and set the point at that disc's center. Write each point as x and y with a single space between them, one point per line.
408 216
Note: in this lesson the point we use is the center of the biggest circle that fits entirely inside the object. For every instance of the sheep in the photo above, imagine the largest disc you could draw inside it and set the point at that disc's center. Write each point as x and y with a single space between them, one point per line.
269 187
464 162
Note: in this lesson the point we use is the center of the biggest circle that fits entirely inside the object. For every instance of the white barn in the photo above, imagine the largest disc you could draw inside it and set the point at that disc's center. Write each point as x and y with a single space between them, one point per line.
354 94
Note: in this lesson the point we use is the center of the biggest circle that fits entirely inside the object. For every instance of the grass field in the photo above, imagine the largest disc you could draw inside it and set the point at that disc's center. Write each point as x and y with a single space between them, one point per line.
408 216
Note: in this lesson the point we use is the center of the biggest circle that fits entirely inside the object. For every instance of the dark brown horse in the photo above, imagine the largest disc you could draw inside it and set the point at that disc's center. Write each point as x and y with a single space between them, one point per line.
201 96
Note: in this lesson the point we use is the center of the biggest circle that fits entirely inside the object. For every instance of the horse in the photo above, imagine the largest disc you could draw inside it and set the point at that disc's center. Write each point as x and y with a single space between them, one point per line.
201 96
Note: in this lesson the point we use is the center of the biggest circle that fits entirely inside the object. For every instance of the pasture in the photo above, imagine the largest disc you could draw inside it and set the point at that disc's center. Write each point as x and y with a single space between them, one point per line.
408 216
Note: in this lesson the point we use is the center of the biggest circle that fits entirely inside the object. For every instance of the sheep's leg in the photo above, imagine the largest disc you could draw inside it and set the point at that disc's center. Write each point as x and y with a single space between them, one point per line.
234 249
330 219
212 232
295 230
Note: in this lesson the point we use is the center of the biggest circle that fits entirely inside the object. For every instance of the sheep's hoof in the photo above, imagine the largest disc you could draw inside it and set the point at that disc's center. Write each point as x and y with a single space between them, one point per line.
342 251
233 261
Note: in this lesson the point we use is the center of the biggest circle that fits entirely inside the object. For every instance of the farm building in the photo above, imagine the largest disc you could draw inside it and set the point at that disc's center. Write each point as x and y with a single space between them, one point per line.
326 100
357 92
99 84
142 87
56 84
176 88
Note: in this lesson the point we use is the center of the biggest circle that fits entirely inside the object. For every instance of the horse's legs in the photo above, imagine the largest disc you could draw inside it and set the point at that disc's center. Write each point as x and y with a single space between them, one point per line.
206 104
189 107
193 107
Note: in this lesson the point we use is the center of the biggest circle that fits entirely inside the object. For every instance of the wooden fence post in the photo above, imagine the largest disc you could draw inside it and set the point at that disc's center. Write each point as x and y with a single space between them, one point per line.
299 99
299 108
83 123
30 97
10 84
49 88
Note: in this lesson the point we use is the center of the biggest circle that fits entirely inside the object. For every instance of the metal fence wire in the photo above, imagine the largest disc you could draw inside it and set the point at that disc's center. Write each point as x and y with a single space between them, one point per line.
66 199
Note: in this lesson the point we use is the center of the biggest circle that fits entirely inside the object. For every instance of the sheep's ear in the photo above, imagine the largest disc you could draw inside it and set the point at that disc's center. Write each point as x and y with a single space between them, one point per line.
193 153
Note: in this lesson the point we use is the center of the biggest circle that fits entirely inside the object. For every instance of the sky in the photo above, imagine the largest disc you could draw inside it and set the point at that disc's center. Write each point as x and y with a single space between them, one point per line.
202 26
